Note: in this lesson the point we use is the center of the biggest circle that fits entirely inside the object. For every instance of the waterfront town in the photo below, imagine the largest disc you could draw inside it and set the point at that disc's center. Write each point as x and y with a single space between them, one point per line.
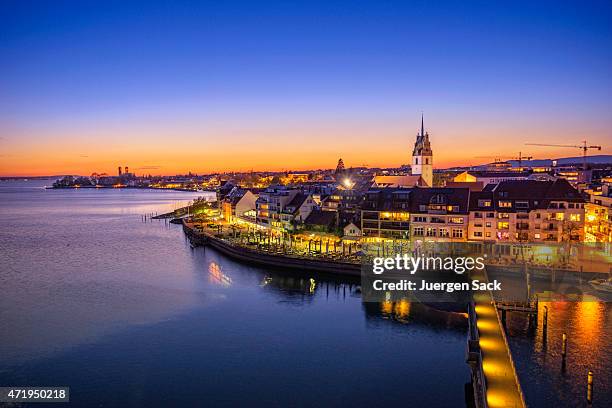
306 204
543 226
515 200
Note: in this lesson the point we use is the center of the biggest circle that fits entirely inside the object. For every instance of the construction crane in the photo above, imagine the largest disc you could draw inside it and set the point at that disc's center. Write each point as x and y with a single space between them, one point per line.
584 146
498 159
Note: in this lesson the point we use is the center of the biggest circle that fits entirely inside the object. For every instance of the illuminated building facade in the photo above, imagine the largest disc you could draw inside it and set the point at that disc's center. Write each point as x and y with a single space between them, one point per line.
439 214
283 208
346 202
598 222
527 211
511 211
295 212
238 204
385 213
489 177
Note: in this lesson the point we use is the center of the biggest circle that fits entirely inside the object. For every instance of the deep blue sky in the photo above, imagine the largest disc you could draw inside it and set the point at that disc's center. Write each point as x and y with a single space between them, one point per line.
114 81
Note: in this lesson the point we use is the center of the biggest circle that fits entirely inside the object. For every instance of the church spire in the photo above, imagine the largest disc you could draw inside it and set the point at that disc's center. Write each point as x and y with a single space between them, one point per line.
422 126
422 156
422 145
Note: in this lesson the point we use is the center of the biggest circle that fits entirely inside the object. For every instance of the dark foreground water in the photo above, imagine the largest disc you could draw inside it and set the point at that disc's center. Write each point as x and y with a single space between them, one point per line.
127 314
545 380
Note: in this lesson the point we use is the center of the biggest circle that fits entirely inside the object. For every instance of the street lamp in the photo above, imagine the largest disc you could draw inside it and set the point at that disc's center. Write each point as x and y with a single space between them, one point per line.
348 183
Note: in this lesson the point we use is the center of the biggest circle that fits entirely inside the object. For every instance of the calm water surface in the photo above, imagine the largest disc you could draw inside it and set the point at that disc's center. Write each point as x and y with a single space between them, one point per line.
126 313
544 379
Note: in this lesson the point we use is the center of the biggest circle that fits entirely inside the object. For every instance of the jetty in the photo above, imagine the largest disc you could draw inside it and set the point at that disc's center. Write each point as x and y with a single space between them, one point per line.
494 375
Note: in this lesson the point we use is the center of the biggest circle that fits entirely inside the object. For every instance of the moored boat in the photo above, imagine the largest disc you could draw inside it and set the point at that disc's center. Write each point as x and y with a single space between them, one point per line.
602 285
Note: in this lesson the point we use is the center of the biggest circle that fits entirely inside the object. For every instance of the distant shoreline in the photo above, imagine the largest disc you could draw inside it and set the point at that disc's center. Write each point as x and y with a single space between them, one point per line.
98 187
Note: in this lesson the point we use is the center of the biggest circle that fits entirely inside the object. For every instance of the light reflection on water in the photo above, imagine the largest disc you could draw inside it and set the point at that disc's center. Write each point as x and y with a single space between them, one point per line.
128 314
93 297
544 378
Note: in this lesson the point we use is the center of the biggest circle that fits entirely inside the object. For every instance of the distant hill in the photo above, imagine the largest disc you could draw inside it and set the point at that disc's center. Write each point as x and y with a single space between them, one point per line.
564 161
596 159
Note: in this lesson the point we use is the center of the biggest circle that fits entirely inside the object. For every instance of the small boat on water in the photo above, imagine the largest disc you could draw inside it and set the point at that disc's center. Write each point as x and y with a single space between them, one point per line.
602 285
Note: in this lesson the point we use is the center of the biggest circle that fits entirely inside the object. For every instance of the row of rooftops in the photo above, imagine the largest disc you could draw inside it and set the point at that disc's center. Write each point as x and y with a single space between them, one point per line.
291 207
525 195
507 196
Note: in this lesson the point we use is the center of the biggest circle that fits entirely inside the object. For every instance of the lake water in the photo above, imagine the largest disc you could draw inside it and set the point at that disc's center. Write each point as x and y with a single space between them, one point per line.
538 360
127 314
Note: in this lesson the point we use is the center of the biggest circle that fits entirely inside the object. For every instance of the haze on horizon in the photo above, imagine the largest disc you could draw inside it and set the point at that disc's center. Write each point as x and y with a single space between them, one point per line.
172 87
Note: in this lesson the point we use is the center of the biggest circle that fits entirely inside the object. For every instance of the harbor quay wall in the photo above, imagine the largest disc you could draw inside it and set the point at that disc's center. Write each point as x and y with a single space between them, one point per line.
272 260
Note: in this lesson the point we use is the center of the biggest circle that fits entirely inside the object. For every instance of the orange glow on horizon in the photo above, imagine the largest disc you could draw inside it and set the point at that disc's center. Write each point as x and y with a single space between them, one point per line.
181 149
39 166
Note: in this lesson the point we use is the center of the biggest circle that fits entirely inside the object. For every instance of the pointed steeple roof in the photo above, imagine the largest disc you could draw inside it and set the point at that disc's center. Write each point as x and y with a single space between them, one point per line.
422 125
422 147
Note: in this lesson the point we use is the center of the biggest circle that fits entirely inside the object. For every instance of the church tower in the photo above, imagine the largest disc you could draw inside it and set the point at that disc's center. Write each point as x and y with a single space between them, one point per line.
422 157
340 167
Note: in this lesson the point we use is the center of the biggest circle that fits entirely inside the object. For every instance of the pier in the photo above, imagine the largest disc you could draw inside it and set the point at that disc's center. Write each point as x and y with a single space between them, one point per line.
494 376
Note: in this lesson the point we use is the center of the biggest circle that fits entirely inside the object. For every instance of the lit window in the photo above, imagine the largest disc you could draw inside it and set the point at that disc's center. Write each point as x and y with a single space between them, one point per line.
574 217
502 235
505 204
457 233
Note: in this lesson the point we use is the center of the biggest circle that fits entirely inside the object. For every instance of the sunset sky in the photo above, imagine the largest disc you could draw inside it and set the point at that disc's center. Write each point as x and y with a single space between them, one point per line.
172 87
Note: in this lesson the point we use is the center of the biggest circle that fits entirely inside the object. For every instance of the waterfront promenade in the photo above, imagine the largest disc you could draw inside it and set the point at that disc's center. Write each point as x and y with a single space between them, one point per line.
308 245
276 255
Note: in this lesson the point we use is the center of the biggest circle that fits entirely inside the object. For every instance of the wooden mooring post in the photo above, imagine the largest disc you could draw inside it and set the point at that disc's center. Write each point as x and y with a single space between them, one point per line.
545 324
590 387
